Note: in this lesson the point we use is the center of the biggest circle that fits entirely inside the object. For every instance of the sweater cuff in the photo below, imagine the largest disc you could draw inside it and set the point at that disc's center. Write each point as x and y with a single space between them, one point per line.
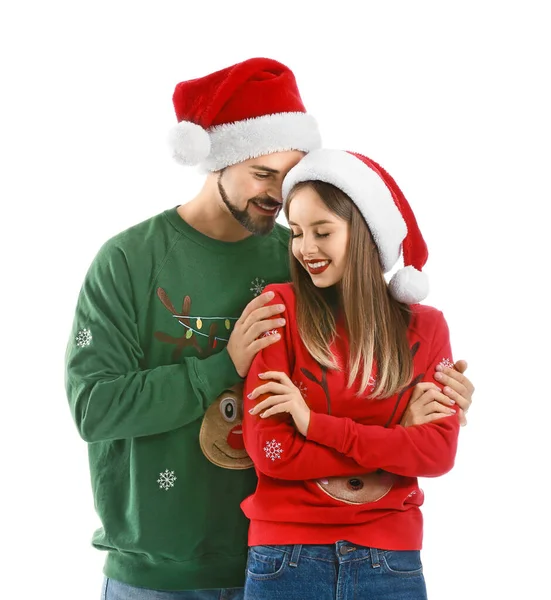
327 430
218 373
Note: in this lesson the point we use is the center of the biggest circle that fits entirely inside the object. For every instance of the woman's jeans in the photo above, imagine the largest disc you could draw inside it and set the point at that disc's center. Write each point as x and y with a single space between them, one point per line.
115 590
340 571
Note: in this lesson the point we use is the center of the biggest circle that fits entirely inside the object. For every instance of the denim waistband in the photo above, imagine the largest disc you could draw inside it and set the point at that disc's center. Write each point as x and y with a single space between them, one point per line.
341 551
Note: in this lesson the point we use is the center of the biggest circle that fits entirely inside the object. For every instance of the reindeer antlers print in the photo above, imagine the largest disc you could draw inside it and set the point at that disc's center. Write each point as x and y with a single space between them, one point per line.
321 382
188 338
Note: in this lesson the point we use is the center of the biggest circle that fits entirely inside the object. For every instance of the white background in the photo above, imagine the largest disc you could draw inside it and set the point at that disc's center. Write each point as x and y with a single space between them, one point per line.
451 97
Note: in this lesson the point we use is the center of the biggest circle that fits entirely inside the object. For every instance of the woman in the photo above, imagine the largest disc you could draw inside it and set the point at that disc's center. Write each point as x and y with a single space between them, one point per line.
336 512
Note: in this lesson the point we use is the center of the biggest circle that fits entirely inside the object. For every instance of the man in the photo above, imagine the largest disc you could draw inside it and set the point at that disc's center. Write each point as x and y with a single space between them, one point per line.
159 334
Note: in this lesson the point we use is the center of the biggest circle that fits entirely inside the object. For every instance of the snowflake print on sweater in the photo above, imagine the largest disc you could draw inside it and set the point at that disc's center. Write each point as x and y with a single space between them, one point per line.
301 388
166 480
271 332
371 383
273 450
257 285
84 338
446 362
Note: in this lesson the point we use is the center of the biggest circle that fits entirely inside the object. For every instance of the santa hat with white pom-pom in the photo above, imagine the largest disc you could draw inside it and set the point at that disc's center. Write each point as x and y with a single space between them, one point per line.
241 112
384 208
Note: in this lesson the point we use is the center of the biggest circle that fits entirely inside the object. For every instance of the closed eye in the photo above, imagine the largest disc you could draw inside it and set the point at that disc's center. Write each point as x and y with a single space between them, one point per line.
318 235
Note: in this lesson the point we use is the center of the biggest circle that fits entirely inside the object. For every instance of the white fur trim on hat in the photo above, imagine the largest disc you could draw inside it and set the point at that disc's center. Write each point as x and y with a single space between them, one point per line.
366 189
233 143
408 285
190 143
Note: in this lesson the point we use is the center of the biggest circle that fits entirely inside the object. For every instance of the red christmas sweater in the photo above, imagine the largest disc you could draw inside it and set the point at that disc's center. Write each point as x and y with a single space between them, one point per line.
354 476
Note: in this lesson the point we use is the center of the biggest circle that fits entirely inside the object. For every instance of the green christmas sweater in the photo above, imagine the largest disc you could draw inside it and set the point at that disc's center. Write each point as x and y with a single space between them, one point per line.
153 391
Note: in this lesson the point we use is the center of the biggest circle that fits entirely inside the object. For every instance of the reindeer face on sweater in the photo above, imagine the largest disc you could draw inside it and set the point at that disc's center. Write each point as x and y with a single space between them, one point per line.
221 435
358 489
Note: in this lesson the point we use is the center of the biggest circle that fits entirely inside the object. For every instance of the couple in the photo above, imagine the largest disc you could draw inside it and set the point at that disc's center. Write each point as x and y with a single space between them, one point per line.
346 414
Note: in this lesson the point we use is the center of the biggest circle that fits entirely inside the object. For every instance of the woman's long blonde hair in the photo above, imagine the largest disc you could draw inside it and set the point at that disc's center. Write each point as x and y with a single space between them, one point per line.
376 323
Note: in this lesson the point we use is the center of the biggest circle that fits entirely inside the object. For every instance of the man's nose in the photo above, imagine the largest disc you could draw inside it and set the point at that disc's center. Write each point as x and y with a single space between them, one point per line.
276 194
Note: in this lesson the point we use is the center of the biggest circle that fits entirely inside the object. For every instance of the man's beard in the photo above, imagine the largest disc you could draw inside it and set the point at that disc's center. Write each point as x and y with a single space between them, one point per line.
262 225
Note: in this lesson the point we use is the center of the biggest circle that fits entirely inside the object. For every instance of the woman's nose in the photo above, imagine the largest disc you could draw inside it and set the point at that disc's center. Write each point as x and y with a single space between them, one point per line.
309 246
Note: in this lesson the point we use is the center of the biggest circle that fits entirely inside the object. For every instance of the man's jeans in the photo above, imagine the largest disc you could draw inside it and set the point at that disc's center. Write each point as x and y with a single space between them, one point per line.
115 590
327 572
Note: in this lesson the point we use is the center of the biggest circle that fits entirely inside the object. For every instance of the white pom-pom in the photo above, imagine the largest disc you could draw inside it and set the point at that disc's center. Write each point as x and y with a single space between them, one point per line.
408 285
190 143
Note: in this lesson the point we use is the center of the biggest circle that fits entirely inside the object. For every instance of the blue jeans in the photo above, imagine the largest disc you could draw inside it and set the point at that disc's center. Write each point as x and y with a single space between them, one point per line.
115 590
341 570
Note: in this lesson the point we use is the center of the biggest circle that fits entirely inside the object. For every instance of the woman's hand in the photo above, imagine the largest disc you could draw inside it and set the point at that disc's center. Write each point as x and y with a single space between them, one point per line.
457 386
285 398
427 403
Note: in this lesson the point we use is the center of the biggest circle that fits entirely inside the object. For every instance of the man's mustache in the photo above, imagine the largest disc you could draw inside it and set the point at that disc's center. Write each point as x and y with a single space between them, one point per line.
267 200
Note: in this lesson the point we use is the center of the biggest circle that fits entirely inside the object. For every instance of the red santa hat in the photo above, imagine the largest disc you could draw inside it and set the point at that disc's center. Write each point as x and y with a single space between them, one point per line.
241 112
384 208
